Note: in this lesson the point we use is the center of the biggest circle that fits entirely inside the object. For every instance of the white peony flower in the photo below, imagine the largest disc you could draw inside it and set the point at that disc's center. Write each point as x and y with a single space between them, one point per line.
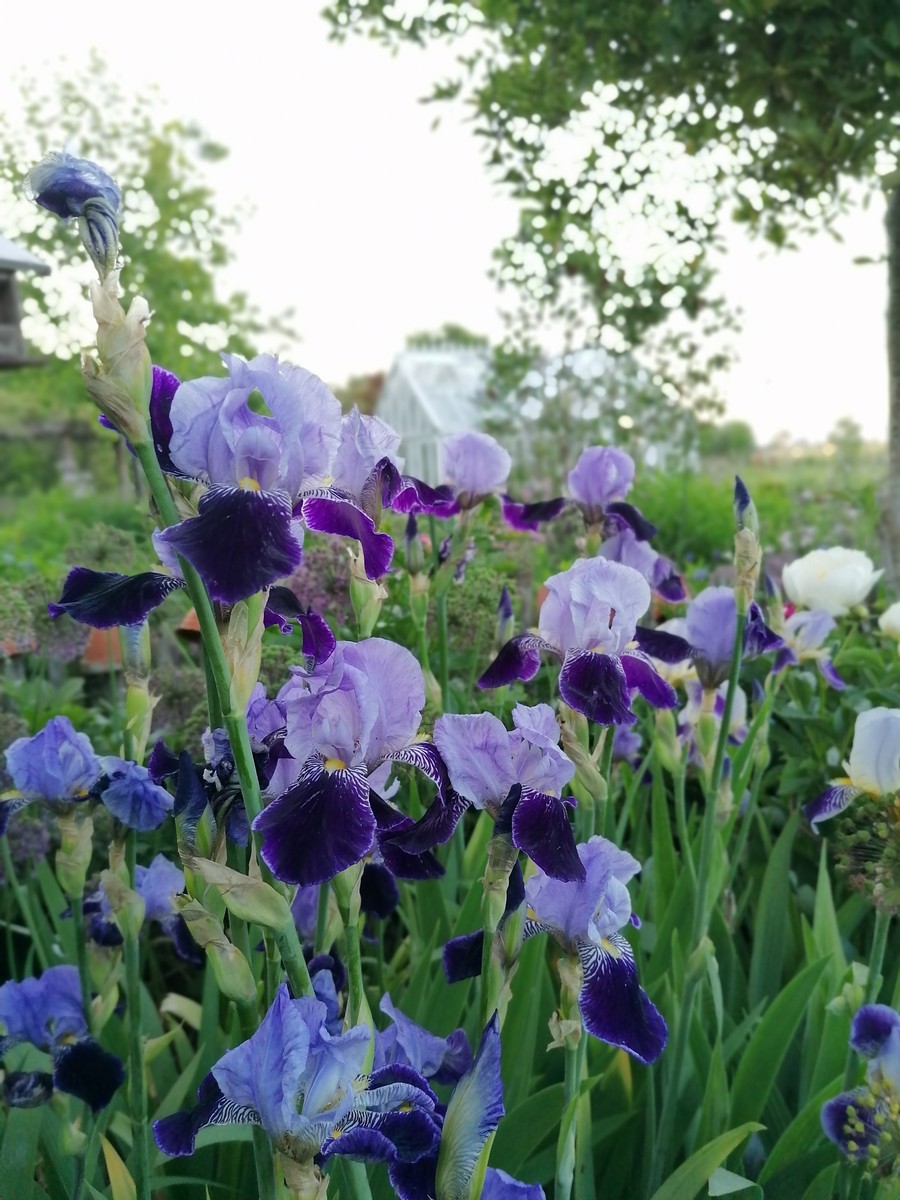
889 623
835 580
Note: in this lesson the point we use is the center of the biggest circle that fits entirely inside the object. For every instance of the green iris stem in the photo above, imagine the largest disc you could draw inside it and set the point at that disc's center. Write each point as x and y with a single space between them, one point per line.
664 1149
443 650
322 917
24 904
358 1177
682 823
603 809
565 1160
262 1147
698 928
876 959
354 972
137 1094
288 943
84 977
744 831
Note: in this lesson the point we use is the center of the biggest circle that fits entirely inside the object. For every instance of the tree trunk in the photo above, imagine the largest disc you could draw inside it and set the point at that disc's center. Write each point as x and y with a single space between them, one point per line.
891 514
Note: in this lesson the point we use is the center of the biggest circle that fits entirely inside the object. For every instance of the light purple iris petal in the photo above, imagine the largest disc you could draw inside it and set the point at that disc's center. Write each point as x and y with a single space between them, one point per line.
241 542
394 676
158 885
593 908
45 1010
475 465
595 605
806 631
832 801
332 515
829 674
783 659
131 795
541 828
407 1043
613 1005
500 1186
542 769
520 658
640 674
875 755
304 910
318 827
477 753
711 630
58 763
596 685
538 725
601 475
364 442
624 547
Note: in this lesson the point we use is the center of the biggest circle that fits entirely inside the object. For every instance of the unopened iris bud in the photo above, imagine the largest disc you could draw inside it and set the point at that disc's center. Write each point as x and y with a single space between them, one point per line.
76 187
127 907
249 900
73 858
232 972
746 547
668 748
366 596
243 648
120 379
139 704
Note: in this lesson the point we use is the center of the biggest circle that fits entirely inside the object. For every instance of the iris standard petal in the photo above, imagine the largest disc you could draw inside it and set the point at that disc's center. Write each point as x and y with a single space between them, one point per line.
241 541
103 599
875 756
613 1005
596 685
474 1112
318 827
541 828
326 514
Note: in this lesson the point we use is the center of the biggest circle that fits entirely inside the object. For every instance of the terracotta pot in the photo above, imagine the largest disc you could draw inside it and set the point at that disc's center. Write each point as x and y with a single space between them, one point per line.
102 652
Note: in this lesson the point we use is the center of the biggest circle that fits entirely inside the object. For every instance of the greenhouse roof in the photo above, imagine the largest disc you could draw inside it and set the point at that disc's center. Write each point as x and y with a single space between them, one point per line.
14 258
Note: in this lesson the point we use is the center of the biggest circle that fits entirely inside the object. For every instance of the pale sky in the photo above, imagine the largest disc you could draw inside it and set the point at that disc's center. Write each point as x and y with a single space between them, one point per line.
373 225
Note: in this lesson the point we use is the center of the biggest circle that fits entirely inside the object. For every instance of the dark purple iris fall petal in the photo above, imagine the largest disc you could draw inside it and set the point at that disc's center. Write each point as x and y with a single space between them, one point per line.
378 892
462 956
163 762
640 674
382 485
613 1005
596 685
318 827
540 827
528 517
330 515
165 385
84 1069
415 496
240 543
667 647
831 802
668 583
406 865
282 607
758 637
104 599
176 1135
386 1137
416 1180
27 1089
432 829
633 518
520 658
829 674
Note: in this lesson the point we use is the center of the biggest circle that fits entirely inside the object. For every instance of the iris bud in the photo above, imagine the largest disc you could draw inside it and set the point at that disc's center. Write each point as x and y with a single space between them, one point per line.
231 970
366 596
73 858
746 547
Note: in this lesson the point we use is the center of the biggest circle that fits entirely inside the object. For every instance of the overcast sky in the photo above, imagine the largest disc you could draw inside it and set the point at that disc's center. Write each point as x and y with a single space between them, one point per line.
373 225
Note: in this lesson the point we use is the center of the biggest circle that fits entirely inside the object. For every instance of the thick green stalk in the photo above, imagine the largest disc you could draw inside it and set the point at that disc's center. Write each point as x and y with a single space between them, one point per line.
603 811
565 1161
876 959
137 1093
663 1149
288 943
355 984
744 831
322 917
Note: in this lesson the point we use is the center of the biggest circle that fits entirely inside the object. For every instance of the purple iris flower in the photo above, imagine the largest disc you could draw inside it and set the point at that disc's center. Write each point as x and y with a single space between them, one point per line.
690 715
585 917
254 464
348 721
589 621
302 1084
803 634
475 467
624 546
711 630
157 885
485 762
863 1123
598 485
500 1186
57 766
362 476
442 1060
132 797
48 1013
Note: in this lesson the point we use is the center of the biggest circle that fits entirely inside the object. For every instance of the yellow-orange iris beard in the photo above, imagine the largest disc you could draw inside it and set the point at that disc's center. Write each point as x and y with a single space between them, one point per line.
335 764
248 485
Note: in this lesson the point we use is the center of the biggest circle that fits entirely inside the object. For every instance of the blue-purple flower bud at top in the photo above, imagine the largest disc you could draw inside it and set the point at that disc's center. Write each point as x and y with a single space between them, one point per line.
58 764
131 795
440 1060
744 508
303 1085
48 1012
589 621
348 720
76 187
865 1123
585 918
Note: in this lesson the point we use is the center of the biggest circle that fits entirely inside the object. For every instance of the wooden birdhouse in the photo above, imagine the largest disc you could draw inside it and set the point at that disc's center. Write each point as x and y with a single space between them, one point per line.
12 345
